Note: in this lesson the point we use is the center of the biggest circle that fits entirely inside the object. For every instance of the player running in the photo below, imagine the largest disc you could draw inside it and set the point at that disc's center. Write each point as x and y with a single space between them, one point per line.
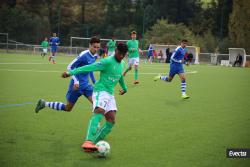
104 104
111 46
54 42
44 45
79 84
133 56
176 67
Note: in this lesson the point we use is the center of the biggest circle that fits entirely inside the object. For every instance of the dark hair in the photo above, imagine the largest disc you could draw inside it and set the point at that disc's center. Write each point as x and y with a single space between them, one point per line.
133 32
94 39
184 40
122 48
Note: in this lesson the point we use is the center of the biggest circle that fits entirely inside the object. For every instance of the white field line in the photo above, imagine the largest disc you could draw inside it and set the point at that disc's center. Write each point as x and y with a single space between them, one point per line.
42 71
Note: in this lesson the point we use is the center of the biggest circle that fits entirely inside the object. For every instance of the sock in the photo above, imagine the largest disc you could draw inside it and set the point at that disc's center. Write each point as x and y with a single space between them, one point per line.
104 131
126 70
164 78
55 105
183 87
93 125
136 74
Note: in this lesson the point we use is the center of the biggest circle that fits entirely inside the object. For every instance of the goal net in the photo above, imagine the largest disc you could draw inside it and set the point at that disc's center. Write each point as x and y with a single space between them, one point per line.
236 52
190 49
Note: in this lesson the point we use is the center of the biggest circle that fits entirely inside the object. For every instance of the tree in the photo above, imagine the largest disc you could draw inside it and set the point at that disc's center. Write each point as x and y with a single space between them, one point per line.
163 32
239 26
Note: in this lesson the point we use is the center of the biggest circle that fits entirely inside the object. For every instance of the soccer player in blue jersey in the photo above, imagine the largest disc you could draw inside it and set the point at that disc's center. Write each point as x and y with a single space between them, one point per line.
54 42
79 84
176 67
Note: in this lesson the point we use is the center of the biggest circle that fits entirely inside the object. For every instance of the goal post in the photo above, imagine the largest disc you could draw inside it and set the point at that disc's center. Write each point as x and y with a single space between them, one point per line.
84 42
234 53
190 49
7 40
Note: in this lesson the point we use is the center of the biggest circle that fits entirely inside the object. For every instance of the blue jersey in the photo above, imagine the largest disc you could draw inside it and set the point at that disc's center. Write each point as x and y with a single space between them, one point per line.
176 66
178 55
54 41
84 58
150 51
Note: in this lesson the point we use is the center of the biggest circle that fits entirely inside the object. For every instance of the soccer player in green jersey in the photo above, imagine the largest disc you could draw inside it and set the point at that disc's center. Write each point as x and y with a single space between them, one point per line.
111 47
104 104
45 45
133 56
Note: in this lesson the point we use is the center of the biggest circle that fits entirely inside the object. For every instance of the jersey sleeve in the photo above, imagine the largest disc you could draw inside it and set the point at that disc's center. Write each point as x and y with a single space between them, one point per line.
73 65
122 83
99 66
58 41
92 77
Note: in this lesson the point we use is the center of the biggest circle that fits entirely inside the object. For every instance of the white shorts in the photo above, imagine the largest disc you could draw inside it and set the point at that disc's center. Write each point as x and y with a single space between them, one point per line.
104 100
133 61
111 53
45 50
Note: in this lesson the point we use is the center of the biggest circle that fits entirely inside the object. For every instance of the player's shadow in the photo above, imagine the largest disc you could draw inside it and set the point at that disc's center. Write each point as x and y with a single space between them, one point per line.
175 102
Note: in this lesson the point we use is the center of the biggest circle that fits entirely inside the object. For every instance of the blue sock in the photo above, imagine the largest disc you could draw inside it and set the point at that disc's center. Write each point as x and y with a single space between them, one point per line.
183 87
55 105
164 78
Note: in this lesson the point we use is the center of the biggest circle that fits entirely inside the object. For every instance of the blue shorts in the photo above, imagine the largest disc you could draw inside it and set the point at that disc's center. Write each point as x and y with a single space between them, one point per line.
73 95
175 68
53 48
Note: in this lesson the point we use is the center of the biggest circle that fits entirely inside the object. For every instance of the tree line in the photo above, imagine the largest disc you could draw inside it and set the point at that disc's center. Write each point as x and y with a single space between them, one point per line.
214 24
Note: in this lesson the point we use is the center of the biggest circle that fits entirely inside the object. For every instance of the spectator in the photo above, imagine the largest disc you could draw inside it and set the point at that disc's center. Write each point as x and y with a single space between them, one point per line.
154 55
168 55
189 58
238 61
160 56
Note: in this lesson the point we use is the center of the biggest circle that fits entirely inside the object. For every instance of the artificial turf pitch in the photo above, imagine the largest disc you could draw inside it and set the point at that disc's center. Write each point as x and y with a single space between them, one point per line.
154 126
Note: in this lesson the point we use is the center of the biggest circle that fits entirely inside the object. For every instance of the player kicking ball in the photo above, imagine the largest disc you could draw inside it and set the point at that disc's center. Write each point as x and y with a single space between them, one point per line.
79 84
176 67
104 104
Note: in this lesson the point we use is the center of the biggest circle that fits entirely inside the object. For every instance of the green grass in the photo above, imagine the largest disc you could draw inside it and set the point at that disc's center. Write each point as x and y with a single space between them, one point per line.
154 126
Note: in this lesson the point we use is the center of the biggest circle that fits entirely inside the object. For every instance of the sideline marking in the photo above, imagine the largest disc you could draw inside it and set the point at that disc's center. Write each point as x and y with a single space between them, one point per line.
14 105
150 73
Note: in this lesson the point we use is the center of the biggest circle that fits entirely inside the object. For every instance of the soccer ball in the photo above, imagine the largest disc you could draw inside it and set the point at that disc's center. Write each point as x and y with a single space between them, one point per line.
103 148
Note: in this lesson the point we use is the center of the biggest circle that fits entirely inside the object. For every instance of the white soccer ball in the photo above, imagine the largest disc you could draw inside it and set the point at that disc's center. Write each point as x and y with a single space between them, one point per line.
103 148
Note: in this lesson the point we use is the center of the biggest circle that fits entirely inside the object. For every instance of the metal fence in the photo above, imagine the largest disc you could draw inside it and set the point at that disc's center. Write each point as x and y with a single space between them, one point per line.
37 49
20 48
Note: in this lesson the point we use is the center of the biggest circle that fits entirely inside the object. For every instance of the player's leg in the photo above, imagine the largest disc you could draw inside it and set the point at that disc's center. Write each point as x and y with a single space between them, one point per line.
100 101
44 52
167 78
129 67
54 57
183 85
89 144
71 96
88 92
52 53
59 106
136 75
100 105
110 120
107 126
